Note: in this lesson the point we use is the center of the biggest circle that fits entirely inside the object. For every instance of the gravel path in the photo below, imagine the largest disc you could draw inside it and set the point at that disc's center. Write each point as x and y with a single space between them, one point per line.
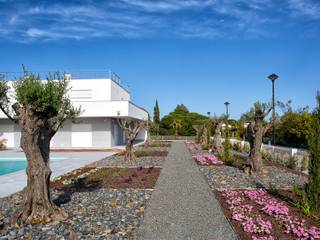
182 205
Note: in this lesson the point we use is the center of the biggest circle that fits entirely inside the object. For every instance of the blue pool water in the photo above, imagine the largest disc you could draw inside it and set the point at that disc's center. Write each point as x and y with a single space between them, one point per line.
10 165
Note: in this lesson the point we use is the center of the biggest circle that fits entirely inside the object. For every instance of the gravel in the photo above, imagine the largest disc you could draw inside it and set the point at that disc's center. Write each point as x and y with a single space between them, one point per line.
101 214
182 205
234 178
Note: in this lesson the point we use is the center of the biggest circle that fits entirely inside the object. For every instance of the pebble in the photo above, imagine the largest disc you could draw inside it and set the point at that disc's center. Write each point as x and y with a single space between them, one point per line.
91 216
234 178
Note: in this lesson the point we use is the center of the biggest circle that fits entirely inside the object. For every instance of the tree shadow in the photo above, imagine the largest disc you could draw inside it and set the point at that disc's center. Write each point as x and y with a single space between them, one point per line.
79 186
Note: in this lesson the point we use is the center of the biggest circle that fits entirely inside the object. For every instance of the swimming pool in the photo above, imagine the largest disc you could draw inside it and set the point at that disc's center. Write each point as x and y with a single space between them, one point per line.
14 164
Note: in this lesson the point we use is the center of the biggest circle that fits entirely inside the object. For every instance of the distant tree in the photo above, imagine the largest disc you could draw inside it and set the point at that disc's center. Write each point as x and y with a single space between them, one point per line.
131 128
149 126
199 129
39 108
226 155
312 188
176 125
217 146
292 126
188 119
181 109
156 117
255 131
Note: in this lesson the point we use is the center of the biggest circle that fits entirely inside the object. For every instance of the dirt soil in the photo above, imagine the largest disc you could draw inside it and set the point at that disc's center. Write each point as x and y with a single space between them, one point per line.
141 178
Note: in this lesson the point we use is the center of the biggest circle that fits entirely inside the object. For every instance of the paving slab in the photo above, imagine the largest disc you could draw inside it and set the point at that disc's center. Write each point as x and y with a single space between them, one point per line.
16 181
182 205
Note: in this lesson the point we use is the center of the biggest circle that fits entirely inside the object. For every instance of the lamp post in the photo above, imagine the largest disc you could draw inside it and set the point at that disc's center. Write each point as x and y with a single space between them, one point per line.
227 107
208 113
227 113
273 77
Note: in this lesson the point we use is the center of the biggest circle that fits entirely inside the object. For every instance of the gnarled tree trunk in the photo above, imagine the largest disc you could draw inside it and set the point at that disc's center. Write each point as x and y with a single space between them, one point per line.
131 128
217 146
37 206
255 133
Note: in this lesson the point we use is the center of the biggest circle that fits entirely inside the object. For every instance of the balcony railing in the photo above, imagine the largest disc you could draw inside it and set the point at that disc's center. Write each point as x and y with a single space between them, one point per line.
75 74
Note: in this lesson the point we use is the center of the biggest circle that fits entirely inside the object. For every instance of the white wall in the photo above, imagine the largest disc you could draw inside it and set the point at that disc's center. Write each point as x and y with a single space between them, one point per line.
101 98
118 93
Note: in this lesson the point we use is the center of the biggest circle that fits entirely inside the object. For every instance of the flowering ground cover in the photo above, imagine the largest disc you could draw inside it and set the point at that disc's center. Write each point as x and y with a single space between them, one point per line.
207 160
257 215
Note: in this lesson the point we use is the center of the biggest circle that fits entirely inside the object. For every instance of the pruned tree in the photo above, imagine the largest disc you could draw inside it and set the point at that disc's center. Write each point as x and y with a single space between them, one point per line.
199 130
256 129
131 127
148 127
39 108
217 146
176 125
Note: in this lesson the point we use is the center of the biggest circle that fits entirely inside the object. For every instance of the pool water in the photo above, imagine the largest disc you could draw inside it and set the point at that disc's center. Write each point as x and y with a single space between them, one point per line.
10 165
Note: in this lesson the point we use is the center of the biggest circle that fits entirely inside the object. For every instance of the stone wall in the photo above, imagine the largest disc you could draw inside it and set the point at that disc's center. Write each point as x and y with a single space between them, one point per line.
294 158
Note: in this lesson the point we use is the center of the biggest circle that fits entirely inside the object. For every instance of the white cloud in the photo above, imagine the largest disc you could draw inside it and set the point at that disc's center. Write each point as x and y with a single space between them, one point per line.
307 8
148 18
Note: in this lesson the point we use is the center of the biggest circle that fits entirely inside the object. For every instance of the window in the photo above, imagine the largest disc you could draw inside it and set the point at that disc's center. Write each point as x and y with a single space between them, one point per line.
79 94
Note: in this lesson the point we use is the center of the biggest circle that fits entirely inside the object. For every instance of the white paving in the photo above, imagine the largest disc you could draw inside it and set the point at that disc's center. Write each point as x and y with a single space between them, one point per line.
13 182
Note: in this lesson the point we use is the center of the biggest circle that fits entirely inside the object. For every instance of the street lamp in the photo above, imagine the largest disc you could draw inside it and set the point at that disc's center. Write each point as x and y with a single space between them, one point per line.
273 77
227 107
227 113
208 113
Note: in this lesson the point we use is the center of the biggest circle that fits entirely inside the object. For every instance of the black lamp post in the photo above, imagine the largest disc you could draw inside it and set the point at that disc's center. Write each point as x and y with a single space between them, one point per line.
273 77
227 113
227 107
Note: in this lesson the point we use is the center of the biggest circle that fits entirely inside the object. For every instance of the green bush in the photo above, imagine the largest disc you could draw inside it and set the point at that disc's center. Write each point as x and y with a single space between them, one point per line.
312 188
3 144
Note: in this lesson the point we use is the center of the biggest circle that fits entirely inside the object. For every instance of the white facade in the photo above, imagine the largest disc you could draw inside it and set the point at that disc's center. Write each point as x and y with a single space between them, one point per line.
102 101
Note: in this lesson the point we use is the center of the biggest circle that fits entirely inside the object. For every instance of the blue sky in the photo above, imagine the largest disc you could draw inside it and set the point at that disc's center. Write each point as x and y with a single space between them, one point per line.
197 52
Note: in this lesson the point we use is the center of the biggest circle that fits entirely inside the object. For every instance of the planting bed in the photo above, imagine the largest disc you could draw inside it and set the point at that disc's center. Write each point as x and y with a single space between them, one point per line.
95 178
118 161
162 144
257 215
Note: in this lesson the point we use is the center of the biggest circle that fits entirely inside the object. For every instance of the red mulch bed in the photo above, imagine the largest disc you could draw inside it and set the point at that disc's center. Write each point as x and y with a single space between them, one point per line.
141 178
277 230
157 144
142 153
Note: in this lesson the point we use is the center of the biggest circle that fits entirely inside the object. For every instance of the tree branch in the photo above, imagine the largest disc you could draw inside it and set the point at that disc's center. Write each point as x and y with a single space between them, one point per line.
8 115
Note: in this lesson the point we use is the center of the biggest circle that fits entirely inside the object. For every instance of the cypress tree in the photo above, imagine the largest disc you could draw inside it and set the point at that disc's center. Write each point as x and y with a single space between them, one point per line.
156 117
312 188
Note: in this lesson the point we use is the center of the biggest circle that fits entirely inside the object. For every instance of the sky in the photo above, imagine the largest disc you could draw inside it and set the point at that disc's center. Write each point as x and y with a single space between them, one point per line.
197 52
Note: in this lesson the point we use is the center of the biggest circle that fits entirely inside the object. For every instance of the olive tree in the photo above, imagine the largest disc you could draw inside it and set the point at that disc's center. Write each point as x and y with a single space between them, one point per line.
39 108
131 128
256 129
217 146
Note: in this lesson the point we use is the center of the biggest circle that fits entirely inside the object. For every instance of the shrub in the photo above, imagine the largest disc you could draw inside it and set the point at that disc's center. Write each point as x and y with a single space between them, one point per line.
312 188
3 144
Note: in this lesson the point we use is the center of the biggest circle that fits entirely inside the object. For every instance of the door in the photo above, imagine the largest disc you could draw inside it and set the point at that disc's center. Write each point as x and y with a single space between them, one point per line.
81 135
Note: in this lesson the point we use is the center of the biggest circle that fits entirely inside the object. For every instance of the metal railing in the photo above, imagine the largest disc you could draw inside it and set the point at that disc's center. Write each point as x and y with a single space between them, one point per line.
73 74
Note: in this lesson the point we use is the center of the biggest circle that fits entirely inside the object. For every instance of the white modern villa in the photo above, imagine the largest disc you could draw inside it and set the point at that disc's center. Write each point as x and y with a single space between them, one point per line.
102 99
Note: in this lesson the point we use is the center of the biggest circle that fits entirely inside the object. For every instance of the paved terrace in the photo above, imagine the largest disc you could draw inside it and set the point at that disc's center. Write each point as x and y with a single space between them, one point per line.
13 182
182 205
